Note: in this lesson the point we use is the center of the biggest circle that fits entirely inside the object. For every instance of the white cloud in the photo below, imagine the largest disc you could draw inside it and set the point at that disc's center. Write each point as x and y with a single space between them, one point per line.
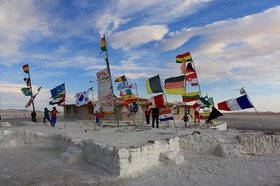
136 36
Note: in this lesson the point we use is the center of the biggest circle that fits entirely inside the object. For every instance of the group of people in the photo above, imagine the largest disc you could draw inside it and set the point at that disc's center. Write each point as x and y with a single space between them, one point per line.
155 115
53 114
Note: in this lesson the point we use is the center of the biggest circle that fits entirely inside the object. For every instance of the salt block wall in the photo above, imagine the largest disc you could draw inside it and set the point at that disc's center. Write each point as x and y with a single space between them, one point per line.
260 144
126 161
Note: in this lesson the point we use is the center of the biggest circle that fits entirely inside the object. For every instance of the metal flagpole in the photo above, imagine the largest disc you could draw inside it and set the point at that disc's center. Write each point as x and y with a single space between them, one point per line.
109 71
33 114
243 91
169 108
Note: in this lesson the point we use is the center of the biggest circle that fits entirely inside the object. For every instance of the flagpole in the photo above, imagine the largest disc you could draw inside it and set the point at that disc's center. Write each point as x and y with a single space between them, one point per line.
196 76
168 107
33 114
138 106
256 112
109 71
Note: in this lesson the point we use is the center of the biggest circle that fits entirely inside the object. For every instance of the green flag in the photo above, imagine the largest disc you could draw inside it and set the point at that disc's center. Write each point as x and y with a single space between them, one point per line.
26 91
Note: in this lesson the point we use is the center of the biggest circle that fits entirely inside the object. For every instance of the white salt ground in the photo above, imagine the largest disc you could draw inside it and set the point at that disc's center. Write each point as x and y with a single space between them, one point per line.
33 166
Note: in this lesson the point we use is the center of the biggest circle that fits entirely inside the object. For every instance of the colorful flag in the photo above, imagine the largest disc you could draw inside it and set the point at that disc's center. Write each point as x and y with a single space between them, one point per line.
82 98
191 96
128 99
124 92
239 103
189 68
203 102
133 85
103 45
26 91
191 79
32 98
185 56
121 79
175 85
153 85
58 100
165 115
123 85
156 102
214 114
27 80
57 91
204 115
25 68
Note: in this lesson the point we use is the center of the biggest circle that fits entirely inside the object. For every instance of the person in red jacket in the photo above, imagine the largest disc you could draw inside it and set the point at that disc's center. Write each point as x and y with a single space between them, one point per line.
54 113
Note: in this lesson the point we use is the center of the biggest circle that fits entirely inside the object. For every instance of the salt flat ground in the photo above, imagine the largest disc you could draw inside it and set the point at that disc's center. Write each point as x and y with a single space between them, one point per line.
33 166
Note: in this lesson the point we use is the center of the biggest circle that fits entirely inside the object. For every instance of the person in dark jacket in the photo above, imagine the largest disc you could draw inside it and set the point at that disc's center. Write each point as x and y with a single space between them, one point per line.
185 119
47 115
155 113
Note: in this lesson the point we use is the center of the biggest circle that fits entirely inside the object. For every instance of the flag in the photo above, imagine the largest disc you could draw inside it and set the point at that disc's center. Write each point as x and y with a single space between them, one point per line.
27 80
191 79
103 45
165 115
203 102
190 96
32 98
175 85
128 99
26 91
121 79
58 100
214 114
204 115
185 56
133 85
189 68
156 102
123 85
25 68
211 100
153 85
124 92
82 98
239 103
57 91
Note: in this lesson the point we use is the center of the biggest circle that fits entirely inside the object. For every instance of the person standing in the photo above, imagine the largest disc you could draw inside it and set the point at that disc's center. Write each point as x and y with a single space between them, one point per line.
54 113
147 115
47 115
97 118
196 114
155 113
185 118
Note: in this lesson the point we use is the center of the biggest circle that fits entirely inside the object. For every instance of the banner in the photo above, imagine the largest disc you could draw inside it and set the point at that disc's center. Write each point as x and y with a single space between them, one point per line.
105 92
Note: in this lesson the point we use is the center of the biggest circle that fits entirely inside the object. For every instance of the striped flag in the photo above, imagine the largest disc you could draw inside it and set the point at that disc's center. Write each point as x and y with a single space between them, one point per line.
103 45
191 96
185 56
165 115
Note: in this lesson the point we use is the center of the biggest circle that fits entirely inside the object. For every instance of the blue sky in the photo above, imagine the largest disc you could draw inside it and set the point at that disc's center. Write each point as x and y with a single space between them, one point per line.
233 44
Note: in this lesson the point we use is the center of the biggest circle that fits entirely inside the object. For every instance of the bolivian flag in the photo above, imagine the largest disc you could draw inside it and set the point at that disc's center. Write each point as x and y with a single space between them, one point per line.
186 56
25 68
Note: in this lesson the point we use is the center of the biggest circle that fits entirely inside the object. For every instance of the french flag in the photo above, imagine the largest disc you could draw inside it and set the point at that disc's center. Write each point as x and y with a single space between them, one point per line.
239 103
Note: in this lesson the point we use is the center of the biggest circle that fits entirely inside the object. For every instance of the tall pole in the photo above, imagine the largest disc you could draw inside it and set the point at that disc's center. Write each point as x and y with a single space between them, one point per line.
196 78
169 108
33 114
109 71
255 111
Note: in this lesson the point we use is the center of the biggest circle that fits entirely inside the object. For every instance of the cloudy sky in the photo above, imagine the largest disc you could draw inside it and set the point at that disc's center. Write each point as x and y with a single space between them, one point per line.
233 44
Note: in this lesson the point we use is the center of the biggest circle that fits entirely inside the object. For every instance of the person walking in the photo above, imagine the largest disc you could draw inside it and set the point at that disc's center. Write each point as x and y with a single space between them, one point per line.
54 113
147 115
155 113
47 115
185 119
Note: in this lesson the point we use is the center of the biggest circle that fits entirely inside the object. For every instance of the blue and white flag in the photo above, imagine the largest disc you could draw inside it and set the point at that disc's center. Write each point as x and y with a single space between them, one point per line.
165 115
123 85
